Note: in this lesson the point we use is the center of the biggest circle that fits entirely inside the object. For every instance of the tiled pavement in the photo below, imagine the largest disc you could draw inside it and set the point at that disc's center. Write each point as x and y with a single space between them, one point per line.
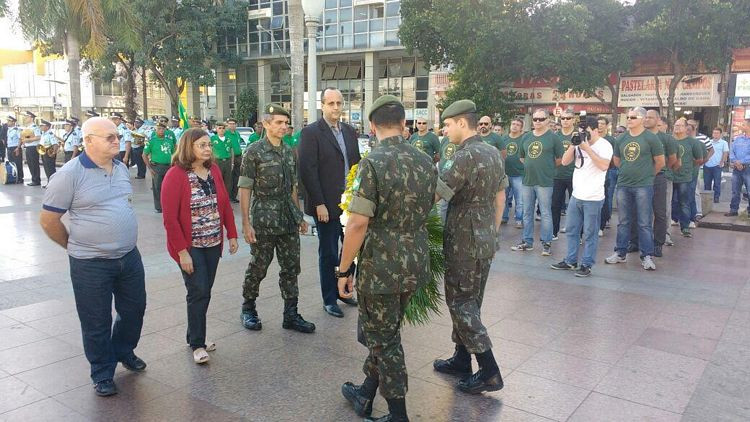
622 345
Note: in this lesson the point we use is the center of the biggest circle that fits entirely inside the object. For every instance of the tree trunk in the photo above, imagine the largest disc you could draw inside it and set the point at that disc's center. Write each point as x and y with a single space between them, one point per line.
296 43
73 54
131 90
144 92
657 84
722 123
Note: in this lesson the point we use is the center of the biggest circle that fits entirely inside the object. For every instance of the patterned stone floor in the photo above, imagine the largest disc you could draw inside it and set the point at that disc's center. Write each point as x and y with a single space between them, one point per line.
622 345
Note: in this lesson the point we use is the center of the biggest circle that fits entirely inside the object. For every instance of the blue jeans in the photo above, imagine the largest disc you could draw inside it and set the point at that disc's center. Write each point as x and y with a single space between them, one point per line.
693 205
684 193
95 281
738 179
531 194
515 184
329 236
712 180
635 204
584 214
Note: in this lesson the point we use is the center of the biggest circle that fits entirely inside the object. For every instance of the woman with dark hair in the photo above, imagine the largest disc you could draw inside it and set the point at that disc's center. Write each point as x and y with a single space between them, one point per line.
196 211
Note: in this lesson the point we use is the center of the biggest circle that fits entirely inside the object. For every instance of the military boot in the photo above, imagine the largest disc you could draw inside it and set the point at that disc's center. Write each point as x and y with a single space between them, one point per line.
361 396
488 377
459 364
293 320
249 316
397 412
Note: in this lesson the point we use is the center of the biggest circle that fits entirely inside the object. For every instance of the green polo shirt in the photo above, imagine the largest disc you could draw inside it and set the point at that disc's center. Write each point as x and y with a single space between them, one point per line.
159 149
253 138
222 147
636 154
291 140
234 139
539 154
427 143
493 139
513 164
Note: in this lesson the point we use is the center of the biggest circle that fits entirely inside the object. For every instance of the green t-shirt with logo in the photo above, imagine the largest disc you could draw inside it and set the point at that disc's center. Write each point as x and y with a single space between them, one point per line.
513 164
670 147
427 143
494 140
539 154
234 139
159 149
565 172
688 149
222 147
636 154
447 149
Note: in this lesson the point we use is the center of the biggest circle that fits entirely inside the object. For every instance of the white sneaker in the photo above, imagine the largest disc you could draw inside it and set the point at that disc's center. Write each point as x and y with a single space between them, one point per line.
519 224
538 218
555 238
669 241
601 233
675 223
615 258
210 346
200 356
692 224
647 263
563 230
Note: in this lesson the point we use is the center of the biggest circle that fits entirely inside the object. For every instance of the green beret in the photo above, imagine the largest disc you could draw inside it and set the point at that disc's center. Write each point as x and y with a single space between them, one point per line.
458 108
275 109
382 101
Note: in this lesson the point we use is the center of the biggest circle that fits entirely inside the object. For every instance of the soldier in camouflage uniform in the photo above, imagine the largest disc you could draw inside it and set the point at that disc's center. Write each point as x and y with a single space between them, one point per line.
269 176
391 198
474 187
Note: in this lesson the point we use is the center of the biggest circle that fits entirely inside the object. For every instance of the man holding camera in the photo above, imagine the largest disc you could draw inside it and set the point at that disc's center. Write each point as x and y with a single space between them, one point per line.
590 155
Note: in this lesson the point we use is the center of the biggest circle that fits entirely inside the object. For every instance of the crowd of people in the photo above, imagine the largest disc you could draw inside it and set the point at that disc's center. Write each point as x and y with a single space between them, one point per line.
473 175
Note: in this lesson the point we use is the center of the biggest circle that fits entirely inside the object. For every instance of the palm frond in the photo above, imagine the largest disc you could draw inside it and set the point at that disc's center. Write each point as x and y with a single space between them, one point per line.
426 300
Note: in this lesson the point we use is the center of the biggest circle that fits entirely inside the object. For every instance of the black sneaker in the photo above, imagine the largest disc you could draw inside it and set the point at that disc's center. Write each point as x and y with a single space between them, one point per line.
546 249
522 247
562 265
105 388
583 271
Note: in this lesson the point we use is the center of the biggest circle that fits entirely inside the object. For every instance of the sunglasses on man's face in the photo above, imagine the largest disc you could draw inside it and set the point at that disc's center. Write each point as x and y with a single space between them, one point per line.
566 118
539 119
633 117
483 124
421 123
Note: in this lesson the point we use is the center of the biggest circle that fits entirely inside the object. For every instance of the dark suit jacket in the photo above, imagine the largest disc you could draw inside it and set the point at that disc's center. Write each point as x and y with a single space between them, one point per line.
321 164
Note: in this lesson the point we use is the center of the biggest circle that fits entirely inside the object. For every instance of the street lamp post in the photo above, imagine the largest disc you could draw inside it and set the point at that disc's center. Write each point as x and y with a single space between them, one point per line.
313 9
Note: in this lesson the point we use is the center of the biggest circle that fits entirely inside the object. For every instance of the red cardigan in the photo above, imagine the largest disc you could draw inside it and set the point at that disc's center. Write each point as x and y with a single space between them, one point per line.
175 203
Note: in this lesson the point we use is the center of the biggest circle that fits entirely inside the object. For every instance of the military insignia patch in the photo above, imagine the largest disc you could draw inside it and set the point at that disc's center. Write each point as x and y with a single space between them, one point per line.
535 149
632 151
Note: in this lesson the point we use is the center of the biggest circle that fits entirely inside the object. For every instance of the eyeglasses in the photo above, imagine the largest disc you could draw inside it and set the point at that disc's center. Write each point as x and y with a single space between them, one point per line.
203 145
633 117
108 138
539 119
566 118
483 124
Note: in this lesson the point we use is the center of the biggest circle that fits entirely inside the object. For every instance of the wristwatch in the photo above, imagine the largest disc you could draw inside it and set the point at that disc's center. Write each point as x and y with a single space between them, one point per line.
345 274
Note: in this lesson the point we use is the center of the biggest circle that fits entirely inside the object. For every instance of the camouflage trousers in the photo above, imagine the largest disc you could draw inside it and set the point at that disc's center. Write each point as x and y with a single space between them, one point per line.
261 255
464 292
379 327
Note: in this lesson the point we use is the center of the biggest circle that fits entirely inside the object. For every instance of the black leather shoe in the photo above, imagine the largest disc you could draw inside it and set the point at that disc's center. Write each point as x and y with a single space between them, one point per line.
250 320
105 388
349 301
361 403
33 184
459 364
479 382
388 418
139 177
334 310
134 363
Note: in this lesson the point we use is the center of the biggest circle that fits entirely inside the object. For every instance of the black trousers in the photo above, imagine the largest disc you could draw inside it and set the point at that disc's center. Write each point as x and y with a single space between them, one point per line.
17 160
32 160
159 171
136 159
235 177
68 155
198 285
49 165
558 201
660 213
3 145
122 158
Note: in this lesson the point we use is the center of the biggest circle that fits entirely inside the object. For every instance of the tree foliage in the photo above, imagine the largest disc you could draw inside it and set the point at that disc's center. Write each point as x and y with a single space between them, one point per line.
247 106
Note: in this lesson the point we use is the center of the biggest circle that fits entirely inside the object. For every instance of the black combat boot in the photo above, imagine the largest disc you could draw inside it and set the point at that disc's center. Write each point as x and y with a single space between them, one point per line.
361 396
397 412
293 320
488 377
249 316
459 364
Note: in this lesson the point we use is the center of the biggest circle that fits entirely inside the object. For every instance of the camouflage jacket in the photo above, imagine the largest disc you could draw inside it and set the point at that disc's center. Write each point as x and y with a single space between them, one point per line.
395 187
470 186
271 173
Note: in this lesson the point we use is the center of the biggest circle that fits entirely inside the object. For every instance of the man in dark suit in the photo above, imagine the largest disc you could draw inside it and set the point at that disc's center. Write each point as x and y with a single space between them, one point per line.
327 150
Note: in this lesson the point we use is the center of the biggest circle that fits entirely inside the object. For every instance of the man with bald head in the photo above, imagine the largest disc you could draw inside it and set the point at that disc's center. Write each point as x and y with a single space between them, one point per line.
94 190
426 141
484 128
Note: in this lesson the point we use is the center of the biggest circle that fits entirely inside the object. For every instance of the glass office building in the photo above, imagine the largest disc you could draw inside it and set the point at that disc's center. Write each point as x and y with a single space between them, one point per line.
358 52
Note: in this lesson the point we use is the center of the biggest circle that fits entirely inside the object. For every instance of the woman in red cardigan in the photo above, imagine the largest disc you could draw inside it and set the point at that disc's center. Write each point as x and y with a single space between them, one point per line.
196 210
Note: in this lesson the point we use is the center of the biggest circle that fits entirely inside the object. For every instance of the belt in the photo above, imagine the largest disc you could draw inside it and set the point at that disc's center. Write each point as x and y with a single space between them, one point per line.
224 159
158 164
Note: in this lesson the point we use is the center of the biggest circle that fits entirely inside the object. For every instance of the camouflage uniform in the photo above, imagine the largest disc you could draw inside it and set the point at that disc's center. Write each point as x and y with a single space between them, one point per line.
271 173
395 187
470 186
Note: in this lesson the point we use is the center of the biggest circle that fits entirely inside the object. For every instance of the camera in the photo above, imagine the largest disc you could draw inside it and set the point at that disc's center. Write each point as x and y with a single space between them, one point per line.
580 135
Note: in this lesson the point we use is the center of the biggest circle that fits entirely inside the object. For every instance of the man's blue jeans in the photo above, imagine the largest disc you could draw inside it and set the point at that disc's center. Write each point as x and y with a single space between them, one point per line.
515 184
693 204
531 194
712 180
635 203
684 192
738 179
584 214
95 282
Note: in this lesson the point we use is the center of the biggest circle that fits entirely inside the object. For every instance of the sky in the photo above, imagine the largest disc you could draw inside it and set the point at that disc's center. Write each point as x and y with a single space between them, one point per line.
10 32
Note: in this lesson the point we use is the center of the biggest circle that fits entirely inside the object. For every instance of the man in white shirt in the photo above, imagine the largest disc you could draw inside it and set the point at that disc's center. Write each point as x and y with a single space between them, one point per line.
591 158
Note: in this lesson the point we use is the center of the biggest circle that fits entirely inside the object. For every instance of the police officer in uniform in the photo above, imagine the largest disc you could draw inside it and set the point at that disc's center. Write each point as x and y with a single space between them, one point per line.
158 157
49 141
474 187
71 141
126 141
175 128
137 147
273 220
91 113
30 143
391 198
14 151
